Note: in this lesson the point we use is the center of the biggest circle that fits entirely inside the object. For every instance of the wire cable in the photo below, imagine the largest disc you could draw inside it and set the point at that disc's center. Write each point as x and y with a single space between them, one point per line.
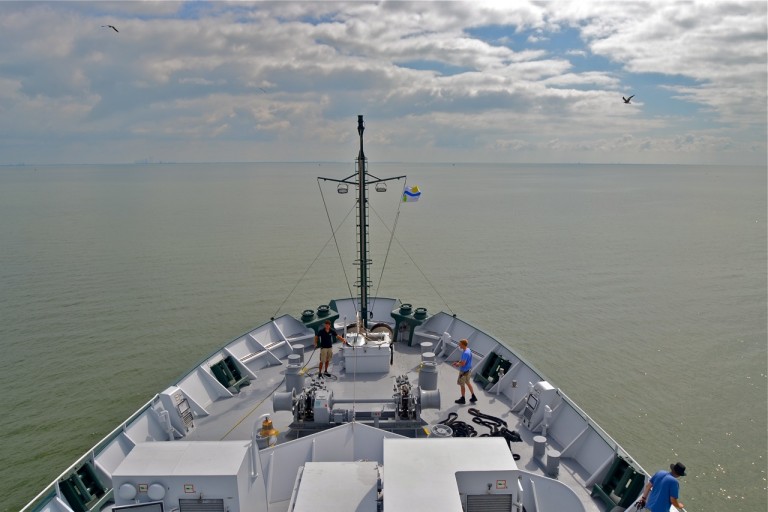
393 237
306 271
336 242
389 246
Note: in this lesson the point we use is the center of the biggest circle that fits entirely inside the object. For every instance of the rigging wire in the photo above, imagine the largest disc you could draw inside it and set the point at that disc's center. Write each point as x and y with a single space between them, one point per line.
424 276
389 246
306 271
338 250
336 241
393 237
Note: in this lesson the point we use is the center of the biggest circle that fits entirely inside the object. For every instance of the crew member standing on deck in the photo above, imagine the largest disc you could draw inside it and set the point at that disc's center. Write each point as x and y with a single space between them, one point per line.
325 336
663 489
465 365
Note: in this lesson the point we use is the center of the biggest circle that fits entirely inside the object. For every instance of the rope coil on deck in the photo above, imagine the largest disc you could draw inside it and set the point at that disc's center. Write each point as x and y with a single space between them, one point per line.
460 428
497 426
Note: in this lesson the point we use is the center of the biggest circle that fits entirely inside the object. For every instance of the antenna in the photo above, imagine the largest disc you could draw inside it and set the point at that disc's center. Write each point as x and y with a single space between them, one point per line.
361 179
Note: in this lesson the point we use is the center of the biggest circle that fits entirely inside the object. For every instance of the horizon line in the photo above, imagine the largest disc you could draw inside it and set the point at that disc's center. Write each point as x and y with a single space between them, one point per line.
334 162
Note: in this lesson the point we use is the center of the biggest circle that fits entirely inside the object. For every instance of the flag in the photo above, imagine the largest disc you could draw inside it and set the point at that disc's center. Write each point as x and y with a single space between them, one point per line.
411 194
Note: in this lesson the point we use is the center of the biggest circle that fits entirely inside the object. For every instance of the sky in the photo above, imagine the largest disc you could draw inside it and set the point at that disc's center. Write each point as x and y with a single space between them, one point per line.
454 81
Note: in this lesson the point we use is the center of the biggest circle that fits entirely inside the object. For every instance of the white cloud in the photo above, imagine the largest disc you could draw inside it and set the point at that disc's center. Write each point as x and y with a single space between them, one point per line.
719 44
249 80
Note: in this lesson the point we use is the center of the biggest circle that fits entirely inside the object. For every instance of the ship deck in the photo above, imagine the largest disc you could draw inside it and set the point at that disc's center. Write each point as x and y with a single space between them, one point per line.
236 418
377 421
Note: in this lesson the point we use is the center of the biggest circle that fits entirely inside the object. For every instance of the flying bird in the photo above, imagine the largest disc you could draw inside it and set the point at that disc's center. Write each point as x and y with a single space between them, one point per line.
626 100
111 26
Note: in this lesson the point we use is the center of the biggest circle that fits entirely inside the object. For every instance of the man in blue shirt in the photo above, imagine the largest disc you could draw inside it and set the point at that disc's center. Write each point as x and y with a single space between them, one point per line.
465 365
663 489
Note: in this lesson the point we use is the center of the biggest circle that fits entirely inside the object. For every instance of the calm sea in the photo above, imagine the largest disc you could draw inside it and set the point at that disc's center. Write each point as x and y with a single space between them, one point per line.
638 290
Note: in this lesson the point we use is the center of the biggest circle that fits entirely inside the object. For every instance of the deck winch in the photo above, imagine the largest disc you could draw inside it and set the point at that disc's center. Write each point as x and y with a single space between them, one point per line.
406 404
315 406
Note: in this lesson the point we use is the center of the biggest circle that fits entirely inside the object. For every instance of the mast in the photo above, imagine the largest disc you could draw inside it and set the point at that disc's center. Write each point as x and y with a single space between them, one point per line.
362 228
361 179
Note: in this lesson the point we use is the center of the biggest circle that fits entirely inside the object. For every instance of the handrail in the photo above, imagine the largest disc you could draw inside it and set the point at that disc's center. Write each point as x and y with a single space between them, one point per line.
599 430
90 454
51 489
592 423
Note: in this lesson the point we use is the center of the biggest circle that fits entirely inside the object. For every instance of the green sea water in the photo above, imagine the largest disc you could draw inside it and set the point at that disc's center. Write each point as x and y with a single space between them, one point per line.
640 291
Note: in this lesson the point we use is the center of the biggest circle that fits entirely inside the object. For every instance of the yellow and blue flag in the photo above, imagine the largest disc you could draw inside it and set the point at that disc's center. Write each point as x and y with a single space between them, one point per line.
411 194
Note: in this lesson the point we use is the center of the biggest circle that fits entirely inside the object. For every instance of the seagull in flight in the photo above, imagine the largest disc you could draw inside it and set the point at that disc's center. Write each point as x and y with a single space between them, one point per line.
111 26
626 100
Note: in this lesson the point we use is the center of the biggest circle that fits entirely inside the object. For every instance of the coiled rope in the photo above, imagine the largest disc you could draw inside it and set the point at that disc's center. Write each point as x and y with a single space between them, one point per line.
497 426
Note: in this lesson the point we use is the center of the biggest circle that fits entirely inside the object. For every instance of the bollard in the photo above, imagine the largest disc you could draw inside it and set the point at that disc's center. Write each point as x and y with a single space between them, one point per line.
553 463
